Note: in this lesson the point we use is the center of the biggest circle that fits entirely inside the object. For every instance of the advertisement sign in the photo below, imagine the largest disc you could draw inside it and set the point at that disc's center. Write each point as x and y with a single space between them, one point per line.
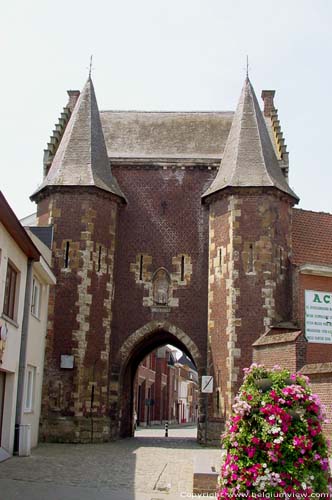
318 316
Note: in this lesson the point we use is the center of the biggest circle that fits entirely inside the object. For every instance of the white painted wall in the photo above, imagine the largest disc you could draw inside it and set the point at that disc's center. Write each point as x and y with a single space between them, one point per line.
36 339
10 360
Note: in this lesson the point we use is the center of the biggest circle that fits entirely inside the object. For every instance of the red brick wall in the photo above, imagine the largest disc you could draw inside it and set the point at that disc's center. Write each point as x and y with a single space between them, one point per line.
283 355
164 217
218 350
161 378
80 304
243 303
321 384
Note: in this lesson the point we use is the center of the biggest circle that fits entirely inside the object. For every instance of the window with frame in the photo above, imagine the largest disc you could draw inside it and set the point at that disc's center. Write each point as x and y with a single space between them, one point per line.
30 388
35 299
10 291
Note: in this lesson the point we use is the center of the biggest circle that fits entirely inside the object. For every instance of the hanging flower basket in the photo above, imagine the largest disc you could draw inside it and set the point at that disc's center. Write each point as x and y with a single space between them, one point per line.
274 441
263 384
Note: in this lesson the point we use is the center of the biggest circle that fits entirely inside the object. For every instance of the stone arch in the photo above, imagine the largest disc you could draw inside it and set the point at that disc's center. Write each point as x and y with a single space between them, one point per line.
140 343
146 331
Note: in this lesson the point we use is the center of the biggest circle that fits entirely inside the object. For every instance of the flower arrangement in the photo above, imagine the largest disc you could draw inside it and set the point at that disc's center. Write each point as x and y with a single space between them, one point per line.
274 441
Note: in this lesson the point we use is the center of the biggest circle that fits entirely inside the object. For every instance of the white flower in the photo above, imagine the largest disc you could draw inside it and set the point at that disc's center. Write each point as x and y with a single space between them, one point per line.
304 486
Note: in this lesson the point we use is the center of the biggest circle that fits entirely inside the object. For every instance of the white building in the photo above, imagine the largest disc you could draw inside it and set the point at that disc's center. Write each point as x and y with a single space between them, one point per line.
25 277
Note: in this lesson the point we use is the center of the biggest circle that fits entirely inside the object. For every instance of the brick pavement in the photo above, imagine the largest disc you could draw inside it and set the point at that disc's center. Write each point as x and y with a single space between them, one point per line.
146 467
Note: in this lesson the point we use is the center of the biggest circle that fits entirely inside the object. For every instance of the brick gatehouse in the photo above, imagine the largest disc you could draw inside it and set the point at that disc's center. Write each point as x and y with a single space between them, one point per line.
174 228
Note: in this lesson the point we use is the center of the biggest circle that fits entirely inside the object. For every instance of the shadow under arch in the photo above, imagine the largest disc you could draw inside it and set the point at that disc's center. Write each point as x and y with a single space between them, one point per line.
138 345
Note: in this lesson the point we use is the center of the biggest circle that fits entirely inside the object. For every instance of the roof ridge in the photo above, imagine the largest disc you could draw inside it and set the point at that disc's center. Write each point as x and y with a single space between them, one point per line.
237 149
259 129
280 142
298 209
165 112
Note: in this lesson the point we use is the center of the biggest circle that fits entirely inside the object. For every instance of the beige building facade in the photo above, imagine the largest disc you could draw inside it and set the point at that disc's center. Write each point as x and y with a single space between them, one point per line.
25 277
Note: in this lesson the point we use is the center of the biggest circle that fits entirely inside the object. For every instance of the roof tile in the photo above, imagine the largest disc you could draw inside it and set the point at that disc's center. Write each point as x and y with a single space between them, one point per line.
249 159
311 237
81 158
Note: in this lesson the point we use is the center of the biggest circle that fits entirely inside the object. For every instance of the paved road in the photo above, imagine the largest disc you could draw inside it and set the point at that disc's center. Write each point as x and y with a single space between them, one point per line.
146 467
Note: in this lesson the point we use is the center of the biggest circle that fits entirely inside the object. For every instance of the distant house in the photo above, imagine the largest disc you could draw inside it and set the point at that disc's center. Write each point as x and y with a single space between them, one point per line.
187 390
166 389
25 278
155 388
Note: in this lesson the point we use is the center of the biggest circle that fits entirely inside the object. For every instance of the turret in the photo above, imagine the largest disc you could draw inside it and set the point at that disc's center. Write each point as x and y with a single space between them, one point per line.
250 206
80 197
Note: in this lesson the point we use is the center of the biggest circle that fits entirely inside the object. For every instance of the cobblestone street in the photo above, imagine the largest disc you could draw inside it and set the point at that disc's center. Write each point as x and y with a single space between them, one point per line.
146 467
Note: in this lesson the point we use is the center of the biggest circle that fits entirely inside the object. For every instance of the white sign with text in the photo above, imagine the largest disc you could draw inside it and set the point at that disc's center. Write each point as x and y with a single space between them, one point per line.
318 316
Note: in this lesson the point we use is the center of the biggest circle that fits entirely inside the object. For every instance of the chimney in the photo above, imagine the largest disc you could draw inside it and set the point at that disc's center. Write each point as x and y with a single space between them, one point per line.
267 96
73 97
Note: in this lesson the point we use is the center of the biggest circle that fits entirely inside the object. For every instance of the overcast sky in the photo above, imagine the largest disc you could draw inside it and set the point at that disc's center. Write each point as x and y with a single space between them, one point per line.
166 55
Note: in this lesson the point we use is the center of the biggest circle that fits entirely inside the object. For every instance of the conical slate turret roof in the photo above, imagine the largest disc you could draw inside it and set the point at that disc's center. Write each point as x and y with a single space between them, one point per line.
249 159
81 159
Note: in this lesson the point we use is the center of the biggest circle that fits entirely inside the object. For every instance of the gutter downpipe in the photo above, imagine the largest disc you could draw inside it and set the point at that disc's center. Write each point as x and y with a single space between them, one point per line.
23 357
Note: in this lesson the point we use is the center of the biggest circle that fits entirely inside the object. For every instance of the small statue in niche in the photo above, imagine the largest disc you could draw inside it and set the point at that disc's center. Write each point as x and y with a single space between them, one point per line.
161 287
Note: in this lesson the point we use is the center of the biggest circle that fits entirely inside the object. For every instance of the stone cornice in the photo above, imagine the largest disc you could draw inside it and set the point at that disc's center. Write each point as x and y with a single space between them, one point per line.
49 190
156 163
316 270
247 191
316 368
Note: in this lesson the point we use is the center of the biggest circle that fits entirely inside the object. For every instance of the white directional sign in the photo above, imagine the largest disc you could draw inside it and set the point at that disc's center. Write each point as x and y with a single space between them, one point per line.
318 316
207 383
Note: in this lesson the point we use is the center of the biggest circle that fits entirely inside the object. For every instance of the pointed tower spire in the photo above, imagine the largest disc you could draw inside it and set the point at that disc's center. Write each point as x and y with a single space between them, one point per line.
81 159
249 159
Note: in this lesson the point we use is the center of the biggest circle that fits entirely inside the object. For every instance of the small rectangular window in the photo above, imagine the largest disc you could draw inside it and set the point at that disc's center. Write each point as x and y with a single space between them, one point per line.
281 261
251 259
66 256
99 259
141 268
182 268
35 299
30 388
10 292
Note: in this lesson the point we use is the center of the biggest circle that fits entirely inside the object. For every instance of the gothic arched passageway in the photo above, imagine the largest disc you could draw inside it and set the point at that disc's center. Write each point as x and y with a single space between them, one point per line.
137 346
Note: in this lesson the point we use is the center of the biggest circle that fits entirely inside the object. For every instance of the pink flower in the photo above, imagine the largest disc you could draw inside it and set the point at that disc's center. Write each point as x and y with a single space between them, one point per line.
324 463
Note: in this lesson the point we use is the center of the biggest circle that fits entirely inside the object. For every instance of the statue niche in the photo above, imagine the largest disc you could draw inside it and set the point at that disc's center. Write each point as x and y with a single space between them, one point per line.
161 281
